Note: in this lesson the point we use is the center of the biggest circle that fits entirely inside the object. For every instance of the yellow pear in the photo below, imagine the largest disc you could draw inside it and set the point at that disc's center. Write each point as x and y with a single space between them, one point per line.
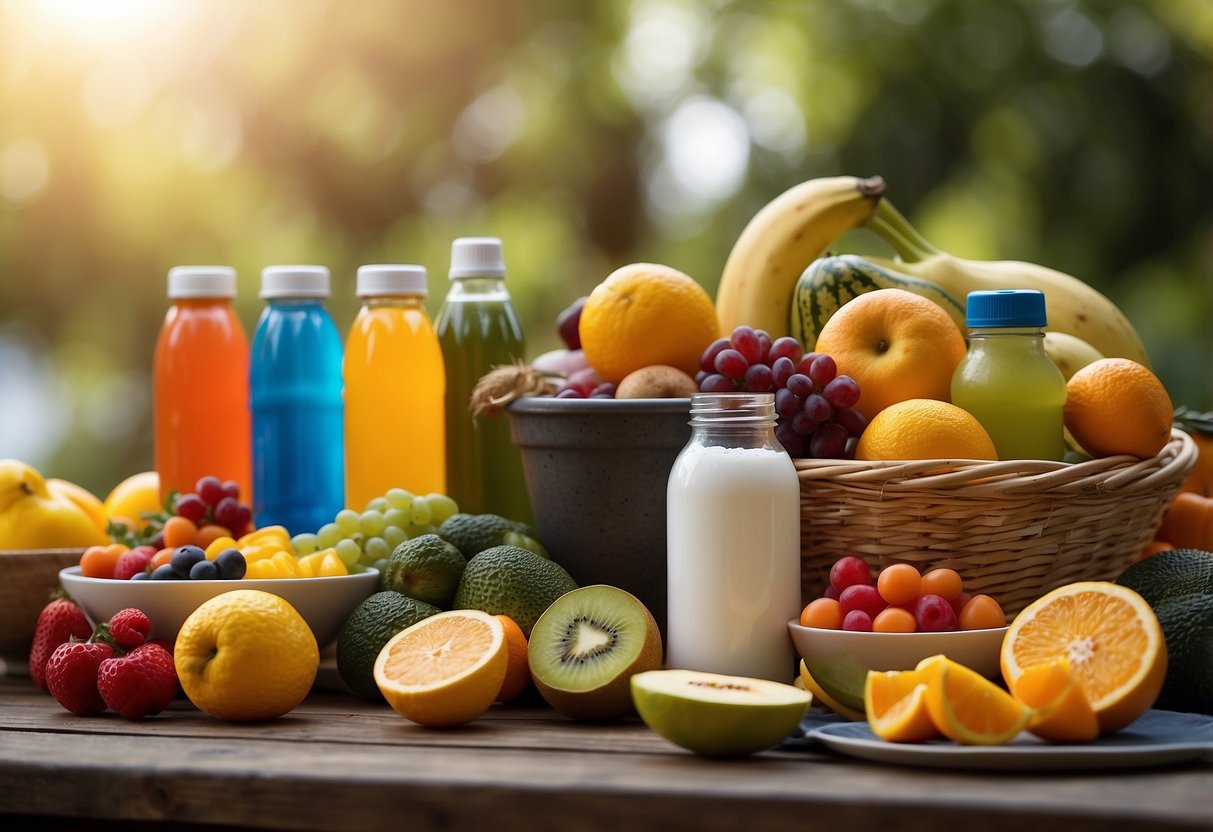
32 518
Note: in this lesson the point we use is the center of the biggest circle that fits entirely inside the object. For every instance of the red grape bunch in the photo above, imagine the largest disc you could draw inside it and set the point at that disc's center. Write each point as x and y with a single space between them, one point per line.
813 401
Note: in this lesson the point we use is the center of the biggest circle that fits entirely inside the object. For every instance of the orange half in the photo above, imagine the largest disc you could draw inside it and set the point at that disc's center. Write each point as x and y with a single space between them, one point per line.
1109 635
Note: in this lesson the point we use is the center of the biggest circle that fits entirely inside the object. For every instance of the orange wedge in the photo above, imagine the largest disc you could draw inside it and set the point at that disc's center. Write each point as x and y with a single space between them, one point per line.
819 695
896 703
1060 710
1111 638
967 707
445 670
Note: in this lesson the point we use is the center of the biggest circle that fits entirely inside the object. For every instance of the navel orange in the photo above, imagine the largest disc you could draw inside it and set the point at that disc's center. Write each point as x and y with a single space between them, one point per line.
924 429
1117 406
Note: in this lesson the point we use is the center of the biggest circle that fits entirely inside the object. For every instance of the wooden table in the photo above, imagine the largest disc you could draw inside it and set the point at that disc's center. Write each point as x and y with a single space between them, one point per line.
338 764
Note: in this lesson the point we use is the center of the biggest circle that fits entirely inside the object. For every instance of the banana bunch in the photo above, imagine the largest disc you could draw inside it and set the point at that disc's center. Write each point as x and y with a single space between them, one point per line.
757 286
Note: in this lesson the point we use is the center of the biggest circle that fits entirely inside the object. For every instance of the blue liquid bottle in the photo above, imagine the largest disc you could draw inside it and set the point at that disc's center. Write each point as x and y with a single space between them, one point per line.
296 399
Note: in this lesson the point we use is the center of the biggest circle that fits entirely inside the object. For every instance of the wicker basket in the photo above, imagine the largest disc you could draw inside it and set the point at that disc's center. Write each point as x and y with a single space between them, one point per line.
1013 530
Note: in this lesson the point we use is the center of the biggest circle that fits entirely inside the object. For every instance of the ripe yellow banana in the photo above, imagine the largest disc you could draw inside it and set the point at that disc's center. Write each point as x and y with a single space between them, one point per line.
1072 306
779 243
1069 353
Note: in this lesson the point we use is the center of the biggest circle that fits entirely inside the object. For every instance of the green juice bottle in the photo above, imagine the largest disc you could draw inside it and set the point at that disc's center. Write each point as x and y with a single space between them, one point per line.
478 330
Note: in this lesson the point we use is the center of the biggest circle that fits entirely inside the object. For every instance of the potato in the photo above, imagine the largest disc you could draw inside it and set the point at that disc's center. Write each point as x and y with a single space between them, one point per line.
656 382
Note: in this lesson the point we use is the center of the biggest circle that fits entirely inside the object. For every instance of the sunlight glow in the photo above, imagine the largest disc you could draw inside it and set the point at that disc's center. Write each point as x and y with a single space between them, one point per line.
100 20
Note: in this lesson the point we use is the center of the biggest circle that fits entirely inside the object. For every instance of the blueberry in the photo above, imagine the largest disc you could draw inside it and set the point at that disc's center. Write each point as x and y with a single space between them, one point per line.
164 572
184 558
204 570
143 576
232 565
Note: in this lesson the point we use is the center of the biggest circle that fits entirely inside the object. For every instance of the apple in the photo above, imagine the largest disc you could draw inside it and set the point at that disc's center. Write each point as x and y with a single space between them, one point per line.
567 323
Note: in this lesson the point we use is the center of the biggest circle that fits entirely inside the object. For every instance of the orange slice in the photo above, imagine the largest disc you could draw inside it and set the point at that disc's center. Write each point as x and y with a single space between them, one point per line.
897 705
967 707
1060 710
1111 638
444 670
819 695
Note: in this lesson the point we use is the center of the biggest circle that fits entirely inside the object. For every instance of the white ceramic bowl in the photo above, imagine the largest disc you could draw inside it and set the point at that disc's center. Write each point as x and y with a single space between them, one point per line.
839 660
324 603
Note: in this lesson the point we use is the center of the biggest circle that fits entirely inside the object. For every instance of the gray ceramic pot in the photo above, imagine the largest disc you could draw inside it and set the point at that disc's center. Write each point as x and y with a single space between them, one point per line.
596 473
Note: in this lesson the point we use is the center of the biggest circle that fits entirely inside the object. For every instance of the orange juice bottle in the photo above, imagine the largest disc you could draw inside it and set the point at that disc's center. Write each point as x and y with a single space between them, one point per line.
395 386
200 384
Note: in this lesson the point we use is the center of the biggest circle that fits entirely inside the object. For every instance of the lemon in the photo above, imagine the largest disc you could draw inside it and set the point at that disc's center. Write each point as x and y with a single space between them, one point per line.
246 655
135 496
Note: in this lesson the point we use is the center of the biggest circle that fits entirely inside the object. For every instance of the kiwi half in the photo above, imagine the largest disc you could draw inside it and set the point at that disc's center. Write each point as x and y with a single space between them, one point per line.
585 648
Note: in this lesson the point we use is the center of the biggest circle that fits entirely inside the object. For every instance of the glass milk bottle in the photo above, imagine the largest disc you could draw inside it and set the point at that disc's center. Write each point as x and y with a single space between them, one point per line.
1007 380
733 542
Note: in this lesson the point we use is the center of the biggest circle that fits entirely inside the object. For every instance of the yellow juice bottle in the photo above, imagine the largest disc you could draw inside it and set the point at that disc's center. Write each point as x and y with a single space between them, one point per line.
1007 380
395 387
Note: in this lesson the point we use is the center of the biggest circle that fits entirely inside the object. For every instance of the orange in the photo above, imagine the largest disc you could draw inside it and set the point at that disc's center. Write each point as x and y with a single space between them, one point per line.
517 671
820 696
1111 638
924 429
1117 406
135 496
180 531
246 655
82 497
896 703
99 561
896 344
967 707
444 670
1060 710
646 314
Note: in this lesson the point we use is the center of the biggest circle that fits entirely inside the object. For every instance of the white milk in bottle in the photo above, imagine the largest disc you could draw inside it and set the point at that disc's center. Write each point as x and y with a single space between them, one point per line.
733 542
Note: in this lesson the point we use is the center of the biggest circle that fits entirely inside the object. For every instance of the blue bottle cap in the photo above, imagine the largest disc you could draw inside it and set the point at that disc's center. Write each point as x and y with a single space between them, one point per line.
1005 308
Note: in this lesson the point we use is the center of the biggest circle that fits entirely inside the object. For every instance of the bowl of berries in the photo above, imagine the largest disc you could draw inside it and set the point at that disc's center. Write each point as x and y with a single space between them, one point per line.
892 621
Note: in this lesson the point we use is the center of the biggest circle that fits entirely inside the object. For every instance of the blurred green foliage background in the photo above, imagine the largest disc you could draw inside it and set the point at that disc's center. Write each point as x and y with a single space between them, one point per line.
140 134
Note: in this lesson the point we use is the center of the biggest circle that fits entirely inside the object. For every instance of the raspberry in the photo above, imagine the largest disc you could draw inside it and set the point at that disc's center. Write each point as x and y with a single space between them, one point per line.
139 684
131 563
130 628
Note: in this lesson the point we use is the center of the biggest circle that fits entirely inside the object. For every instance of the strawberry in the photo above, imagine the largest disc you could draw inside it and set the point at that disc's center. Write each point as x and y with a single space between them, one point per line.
132 563
59 621
71 675
130 628
141 683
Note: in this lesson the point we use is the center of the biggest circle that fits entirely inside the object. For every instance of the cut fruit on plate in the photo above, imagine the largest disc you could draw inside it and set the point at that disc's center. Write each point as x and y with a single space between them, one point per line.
896 703
967 707
1060 710
819 695
1111 638
444 670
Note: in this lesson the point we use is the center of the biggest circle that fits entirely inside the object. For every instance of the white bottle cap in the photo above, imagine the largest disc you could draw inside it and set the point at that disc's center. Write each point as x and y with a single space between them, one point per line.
391 279
202 282
476 257
295 282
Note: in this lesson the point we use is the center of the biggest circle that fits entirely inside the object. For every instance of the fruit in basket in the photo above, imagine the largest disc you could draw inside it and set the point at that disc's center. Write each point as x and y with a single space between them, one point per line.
925 429
586 647
645 314
33 518
829 282
1111 637
1069 352
426 568
782 239
84 499
370 626
897 345
568 324
246 655
1117 406
1178 585
134 497
507 580
656 382
1071 305
716 715
59 621
444 670
813 402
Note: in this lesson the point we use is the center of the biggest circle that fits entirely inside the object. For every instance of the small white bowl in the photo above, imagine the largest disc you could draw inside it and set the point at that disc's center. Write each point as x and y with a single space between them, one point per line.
839 660
324 603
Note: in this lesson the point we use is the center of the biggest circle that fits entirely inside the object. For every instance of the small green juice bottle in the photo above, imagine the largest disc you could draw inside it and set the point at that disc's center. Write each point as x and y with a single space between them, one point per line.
479 329
1007 380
